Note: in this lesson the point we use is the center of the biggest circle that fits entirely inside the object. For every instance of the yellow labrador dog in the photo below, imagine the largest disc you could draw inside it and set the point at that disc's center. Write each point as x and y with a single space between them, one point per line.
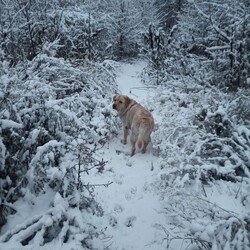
135 118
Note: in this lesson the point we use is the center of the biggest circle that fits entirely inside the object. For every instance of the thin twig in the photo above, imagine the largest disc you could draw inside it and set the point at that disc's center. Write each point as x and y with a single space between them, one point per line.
204 190
98 185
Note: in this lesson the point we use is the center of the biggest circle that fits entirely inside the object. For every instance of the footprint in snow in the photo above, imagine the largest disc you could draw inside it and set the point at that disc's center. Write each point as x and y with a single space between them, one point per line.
118 208
133 190
112 221
129 164
119 179
131 194
130 221
123 152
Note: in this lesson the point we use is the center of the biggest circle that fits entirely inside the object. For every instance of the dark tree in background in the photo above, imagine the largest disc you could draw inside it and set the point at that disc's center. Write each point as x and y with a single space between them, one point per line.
167 12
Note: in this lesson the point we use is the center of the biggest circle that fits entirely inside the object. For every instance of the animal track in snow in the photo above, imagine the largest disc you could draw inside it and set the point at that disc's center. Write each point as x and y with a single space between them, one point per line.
118 208
112 221
130 221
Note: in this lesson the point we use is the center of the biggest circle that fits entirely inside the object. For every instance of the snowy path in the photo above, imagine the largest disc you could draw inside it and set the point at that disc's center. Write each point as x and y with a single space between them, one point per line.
130 205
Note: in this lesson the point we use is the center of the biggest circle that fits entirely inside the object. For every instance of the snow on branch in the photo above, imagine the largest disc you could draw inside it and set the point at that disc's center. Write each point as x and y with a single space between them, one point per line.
8 124
214 26
56 103
206 224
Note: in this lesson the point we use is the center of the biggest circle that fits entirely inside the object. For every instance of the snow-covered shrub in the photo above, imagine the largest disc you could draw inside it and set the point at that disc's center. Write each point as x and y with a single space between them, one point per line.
208 44
205 225
213 38
228 138
54 115
203 144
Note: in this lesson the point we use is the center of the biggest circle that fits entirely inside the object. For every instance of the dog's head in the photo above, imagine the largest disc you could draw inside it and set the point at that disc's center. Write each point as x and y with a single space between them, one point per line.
121 102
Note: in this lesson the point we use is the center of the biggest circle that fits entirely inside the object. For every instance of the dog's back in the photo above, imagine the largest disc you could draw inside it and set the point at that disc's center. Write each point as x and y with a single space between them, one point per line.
142 124
135 117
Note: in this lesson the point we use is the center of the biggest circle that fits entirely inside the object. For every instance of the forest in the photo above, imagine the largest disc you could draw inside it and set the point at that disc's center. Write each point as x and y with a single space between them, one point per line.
59 63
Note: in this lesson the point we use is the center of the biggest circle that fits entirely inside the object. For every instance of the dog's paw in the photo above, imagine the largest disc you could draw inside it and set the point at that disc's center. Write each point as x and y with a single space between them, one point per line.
123 141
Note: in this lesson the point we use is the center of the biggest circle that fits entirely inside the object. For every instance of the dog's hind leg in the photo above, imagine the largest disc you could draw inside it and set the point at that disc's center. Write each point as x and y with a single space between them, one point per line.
132 149
133 139
125 135
146 140
144 149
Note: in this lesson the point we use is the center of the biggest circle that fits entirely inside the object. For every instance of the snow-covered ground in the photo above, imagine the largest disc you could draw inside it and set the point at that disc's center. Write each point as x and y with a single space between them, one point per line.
132 208
151 201
143 209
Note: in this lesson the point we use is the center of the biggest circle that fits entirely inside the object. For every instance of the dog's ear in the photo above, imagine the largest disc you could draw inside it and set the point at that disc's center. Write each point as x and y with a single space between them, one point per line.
127 101
114 97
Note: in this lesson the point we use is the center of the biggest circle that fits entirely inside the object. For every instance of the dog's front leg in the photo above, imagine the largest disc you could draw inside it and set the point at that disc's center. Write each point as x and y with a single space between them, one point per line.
125 135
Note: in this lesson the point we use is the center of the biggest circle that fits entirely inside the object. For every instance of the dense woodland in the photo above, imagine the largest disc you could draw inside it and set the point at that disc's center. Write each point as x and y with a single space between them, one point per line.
57 74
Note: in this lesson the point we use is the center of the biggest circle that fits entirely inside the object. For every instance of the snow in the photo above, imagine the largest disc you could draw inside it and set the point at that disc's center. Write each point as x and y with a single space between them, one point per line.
9 124
132 208
129 81
129 202
248 81
144 206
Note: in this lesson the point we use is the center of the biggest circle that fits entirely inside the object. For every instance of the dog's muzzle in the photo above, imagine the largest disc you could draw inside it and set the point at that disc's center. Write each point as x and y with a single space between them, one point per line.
114 106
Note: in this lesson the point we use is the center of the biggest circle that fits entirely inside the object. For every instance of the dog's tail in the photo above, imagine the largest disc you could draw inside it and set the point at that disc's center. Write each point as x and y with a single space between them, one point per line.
141 136
140 140
145 131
